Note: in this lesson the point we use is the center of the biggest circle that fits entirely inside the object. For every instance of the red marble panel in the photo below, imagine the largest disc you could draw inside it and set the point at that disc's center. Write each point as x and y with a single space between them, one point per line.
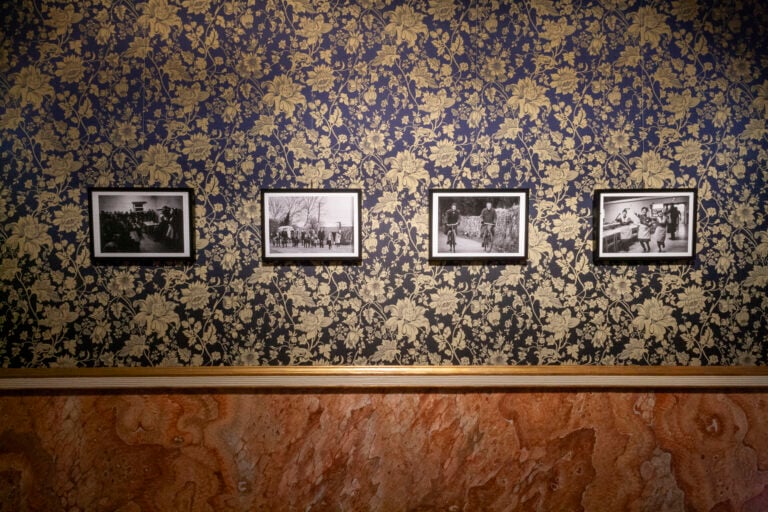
385 451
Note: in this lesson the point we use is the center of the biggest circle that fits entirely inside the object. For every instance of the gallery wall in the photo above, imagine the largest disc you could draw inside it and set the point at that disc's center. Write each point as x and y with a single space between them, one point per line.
393 98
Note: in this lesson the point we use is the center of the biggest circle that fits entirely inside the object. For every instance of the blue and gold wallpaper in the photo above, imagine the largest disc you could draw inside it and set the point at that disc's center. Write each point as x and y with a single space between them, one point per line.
394 98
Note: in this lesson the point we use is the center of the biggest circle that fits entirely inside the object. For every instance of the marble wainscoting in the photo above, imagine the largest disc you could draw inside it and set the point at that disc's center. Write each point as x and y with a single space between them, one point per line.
384 451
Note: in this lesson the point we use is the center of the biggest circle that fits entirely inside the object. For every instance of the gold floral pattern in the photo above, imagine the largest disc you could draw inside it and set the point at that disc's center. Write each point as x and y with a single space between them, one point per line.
393 98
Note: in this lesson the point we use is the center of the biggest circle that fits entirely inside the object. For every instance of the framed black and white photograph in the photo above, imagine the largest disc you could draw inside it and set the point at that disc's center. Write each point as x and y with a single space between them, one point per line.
311 224
478 224
645 225
141 224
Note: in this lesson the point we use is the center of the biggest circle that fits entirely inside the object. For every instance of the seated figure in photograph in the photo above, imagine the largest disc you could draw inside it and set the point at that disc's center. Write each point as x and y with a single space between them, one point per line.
623 218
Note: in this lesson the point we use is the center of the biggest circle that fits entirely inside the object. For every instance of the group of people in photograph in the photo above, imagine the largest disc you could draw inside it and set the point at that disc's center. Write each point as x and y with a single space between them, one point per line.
305 239
132 231
653 228
487 216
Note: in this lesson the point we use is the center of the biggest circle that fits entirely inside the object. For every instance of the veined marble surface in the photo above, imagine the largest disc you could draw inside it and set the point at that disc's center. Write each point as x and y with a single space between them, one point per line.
389 451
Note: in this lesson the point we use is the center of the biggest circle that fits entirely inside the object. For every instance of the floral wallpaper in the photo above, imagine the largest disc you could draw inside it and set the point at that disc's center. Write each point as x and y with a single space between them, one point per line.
394 98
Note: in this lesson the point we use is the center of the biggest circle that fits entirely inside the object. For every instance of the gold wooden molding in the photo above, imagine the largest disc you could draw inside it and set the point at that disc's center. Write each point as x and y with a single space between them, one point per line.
298 377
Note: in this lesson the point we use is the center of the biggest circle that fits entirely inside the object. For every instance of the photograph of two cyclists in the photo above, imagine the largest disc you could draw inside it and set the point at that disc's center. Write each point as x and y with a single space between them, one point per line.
478 224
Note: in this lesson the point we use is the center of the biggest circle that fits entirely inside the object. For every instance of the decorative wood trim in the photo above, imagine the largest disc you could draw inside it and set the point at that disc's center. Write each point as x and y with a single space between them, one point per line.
386 377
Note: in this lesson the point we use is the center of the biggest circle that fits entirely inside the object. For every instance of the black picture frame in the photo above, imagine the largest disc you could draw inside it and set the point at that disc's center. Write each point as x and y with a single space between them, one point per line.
141 225
645 225
296 222
509 236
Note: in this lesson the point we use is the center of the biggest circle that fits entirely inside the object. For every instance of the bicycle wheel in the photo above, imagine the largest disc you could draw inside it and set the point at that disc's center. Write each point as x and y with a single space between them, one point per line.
487 241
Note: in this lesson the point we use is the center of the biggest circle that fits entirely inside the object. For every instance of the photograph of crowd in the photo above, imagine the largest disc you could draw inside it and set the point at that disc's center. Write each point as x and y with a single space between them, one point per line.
311 224
478 224
138 223
645 224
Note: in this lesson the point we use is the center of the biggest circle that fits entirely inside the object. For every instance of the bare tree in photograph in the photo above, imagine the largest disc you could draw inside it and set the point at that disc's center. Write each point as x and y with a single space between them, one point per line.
314 210
282 210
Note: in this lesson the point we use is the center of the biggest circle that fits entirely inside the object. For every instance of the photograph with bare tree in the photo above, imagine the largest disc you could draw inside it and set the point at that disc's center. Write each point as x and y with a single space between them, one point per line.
311 224
478 224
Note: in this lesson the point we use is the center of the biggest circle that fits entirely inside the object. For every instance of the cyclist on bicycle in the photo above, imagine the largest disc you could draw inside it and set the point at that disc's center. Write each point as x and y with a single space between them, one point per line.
452 217
488 216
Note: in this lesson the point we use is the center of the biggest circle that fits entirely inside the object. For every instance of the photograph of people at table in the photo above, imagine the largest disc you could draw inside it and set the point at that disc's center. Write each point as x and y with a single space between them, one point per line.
640 224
